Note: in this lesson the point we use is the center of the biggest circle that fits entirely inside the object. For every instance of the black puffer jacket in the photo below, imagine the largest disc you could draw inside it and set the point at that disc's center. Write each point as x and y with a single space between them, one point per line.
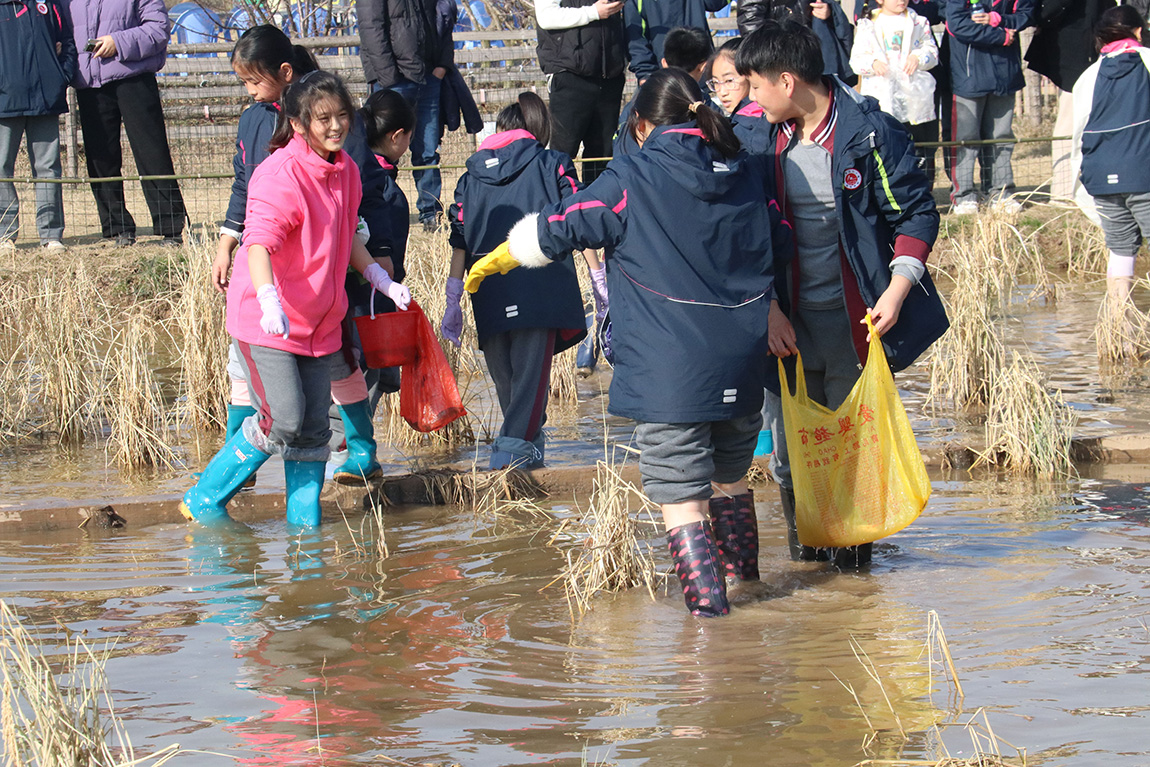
398 40
836 35
1063 44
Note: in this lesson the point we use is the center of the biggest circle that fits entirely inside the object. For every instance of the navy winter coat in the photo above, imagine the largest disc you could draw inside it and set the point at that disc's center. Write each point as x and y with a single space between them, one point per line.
390 240
884 204
1112 122
510 176
257 124
649 21
752 128
985 58
688 244
33 78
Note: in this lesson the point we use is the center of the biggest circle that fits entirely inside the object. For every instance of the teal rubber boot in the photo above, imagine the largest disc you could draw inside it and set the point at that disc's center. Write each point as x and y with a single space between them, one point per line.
360 465
304 480
237 460
237 414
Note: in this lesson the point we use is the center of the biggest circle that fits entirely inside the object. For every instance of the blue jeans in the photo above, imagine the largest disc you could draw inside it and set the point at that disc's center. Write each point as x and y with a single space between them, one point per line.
425 142
42 135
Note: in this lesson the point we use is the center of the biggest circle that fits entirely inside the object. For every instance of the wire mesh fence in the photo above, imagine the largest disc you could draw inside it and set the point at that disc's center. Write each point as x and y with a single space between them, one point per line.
203 101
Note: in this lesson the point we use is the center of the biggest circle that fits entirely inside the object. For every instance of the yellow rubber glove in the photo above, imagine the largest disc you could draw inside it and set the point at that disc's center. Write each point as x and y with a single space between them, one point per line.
499 260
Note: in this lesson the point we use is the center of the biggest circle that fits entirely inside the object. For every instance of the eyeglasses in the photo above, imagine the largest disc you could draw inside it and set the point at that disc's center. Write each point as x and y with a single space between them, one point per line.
725 85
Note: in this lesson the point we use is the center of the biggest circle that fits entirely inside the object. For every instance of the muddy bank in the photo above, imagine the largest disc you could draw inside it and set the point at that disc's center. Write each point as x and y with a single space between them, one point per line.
1094 457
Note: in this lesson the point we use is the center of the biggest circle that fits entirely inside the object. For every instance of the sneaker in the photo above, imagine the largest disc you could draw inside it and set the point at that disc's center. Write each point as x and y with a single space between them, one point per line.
964 208
1007 205
172 241
125 239
54 246
7 246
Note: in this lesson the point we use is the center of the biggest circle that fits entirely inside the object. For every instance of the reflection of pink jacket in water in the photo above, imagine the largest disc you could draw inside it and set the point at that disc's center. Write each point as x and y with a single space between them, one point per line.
302 208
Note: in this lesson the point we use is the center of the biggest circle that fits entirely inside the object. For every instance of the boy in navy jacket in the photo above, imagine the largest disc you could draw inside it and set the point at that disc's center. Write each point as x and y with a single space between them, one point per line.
37 60
985 73
864 223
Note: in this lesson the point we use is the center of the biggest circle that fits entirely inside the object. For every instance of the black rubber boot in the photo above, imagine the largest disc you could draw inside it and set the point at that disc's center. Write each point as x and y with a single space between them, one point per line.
699 569
737 535
853 557
799 552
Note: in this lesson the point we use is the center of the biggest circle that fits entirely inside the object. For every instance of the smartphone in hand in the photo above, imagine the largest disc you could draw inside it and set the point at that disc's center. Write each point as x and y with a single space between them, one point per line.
91 46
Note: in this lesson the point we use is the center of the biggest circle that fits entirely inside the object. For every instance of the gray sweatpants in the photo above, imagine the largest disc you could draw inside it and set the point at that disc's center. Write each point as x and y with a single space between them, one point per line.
291 394
519 362
985 117
1125 221
43 136
831 367
679 461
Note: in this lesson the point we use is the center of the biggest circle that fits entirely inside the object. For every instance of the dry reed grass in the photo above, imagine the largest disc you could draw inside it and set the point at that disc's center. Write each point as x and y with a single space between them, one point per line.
612 556
1028 429
987 746
200 313
999 257
60 712
1122 333
140 420
965 360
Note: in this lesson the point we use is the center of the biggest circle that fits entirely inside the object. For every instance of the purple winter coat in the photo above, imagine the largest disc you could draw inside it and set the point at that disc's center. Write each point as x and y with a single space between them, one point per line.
139 28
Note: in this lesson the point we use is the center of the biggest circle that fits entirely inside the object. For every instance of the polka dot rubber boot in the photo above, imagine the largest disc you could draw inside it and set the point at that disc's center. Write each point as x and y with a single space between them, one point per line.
699 569
737 535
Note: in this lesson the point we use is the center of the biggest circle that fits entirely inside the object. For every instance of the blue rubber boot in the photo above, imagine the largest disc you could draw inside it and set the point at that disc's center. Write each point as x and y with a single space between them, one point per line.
237 414
304 480
360 465
237 460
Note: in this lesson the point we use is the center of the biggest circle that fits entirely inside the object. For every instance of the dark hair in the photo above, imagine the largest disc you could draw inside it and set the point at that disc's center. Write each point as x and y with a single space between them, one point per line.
776 47
528 113
299 99
686 48
384 113
789 10
728 49
266 48
1117 23
666 99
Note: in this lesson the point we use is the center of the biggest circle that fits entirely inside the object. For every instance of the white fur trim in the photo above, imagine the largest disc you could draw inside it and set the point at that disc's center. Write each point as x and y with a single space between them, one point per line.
524 241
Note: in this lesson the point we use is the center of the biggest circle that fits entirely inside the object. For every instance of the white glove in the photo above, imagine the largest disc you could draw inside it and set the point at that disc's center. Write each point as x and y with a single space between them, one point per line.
274 322
397 292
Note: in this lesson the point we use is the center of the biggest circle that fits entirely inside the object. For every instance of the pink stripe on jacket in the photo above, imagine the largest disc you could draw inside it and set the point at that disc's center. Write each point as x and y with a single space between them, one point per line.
303 209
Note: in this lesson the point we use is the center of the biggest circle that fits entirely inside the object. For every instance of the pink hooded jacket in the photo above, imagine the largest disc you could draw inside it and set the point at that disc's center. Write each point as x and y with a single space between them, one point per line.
303 209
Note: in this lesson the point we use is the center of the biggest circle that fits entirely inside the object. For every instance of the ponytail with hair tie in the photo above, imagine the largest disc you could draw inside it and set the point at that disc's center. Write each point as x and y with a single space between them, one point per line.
693 107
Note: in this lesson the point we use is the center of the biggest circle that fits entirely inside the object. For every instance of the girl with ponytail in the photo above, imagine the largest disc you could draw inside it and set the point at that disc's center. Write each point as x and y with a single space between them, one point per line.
522 319
689 227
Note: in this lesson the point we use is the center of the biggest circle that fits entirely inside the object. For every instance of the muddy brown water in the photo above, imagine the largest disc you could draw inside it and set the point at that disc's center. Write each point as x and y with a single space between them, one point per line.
271 649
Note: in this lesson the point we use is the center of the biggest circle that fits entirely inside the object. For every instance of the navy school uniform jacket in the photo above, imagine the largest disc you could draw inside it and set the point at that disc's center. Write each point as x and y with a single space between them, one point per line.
649 21
885 210
688 239
984 58
391 241
1112 122
257 124
624 141
510 176
752 128
33 77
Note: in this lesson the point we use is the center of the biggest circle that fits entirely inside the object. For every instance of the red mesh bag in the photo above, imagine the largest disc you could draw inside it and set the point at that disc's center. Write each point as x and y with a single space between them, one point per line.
428 396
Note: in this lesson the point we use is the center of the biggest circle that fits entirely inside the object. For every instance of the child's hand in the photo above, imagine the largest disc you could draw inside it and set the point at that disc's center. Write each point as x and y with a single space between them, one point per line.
452 325
980 17
911 64
499 261
886 309
599 290
222 263
379 279
820 10
780 333
880 68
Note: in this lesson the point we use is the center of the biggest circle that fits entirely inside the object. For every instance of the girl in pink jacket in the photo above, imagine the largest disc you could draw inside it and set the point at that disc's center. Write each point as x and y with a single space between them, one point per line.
286 300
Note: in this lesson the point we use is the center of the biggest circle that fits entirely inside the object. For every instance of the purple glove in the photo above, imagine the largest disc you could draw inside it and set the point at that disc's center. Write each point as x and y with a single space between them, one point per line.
452 325
599 289
397 292
274 322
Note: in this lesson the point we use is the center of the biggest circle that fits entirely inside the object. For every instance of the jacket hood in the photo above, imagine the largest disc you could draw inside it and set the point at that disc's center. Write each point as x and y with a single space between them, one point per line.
1117 66
689 161
502 157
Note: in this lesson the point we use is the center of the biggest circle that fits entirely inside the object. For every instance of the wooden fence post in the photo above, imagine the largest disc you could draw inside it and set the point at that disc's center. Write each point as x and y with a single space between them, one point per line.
70 134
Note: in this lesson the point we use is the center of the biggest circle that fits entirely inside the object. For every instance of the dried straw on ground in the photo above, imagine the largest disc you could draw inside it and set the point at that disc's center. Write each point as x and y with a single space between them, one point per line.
1028 429
59 712
140 422
200 315
965 360
1122 333
611 557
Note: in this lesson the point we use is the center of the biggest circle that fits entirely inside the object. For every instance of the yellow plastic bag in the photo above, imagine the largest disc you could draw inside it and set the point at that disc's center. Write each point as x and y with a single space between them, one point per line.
857 472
